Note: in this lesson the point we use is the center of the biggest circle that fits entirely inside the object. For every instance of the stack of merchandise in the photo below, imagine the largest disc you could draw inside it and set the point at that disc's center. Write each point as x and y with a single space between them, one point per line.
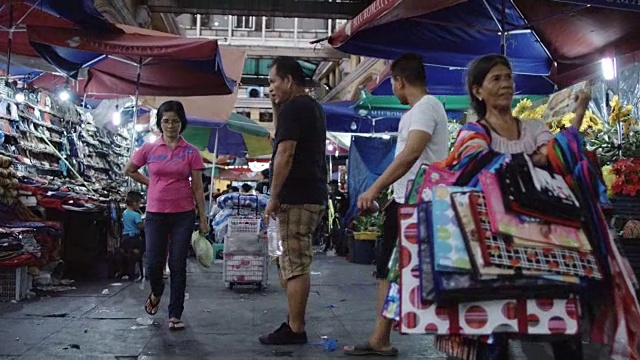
477 262
18 247
520 250
57 143
236 204
8 181
64 169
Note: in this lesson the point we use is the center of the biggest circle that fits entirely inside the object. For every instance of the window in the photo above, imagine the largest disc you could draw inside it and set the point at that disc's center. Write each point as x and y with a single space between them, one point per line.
266 117
186 20
245 23
254 93
205 21
281 23
269 23
313 24
219 21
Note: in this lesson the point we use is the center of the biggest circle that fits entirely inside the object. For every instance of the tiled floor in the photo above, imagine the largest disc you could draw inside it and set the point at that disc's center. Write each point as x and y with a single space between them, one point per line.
222 324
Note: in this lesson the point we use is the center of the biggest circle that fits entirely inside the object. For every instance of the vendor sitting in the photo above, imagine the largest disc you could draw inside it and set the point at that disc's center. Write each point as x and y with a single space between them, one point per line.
132 244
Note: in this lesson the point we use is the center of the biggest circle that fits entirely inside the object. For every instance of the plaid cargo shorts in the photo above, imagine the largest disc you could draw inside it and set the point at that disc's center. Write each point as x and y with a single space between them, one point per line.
297 225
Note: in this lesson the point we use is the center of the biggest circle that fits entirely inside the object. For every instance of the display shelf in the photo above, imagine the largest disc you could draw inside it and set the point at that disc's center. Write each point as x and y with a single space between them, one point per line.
60 141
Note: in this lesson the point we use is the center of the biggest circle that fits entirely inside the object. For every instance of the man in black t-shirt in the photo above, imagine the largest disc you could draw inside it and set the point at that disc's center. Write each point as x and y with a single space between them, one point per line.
298 189
263 186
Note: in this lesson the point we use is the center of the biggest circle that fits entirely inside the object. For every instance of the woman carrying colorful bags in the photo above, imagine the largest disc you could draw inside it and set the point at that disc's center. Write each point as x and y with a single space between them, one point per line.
491 88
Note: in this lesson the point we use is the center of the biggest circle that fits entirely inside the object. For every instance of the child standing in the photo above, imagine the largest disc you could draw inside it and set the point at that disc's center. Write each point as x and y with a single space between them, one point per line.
132 244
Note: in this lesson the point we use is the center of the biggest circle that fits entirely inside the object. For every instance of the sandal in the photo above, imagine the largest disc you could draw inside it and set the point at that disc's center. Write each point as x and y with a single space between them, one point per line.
176 325
150 307
366 350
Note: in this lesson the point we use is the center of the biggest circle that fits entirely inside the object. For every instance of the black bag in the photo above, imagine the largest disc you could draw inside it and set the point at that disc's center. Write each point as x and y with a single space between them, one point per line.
538 193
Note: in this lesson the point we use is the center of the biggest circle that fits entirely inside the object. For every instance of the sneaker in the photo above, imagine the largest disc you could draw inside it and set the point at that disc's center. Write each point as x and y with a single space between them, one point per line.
284 336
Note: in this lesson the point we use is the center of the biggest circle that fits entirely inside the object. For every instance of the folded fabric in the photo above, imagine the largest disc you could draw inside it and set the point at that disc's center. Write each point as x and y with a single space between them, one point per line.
237 200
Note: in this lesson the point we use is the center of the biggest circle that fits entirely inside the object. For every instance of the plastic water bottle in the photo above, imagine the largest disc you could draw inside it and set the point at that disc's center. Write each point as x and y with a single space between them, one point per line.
273 238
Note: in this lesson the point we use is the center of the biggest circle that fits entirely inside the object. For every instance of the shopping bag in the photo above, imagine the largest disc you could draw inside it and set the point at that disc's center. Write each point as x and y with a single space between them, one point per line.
203 249
391 307
538 193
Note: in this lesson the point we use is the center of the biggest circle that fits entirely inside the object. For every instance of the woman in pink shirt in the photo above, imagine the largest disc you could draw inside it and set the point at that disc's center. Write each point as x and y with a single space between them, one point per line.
174 182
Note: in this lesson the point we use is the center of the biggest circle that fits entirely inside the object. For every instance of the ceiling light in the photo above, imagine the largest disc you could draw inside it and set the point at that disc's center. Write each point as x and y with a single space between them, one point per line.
608 68
20 97
115 118
64 95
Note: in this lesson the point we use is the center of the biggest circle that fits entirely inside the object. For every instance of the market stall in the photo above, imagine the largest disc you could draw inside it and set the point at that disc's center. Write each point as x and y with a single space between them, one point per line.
62 179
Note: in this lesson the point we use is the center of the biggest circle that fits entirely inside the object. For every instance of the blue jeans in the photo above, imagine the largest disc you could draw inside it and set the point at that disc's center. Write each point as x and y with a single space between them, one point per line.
159 228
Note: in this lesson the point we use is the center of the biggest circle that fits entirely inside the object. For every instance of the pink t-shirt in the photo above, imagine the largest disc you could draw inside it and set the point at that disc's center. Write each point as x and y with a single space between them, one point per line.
169 172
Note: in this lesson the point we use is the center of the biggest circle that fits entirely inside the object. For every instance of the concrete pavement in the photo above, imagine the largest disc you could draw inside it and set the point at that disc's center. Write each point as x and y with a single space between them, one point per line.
221 324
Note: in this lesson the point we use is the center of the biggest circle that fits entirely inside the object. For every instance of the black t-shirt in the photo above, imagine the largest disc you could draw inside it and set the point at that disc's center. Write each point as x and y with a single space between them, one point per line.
302 119
263 186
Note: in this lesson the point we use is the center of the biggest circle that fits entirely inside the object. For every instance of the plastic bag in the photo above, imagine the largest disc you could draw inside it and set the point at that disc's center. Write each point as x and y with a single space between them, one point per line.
203 249
274 240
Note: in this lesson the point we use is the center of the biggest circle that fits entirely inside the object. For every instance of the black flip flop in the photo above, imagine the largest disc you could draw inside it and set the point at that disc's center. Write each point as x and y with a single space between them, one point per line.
367 350
176 325
150 307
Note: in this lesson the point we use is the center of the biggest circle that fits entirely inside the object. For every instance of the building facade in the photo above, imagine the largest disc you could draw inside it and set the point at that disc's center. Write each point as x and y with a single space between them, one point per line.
264 38
131 12
332 75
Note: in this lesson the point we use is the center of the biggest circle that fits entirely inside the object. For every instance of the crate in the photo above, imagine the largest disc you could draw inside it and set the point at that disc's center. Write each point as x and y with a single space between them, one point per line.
14 283
244 268
243 224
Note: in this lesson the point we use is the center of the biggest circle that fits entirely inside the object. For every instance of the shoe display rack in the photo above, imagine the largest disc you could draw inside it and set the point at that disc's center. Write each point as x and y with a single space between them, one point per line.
58 142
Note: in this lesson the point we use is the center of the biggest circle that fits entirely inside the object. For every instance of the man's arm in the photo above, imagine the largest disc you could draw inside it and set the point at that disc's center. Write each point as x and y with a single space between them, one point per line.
282 166
416 143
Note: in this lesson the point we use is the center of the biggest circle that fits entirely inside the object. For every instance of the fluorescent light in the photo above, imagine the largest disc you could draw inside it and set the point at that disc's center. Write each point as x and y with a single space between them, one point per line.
20 97
64 95
608 68
257 166
115 118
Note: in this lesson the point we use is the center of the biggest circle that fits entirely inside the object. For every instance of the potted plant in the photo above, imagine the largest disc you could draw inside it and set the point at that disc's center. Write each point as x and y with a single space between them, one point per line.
369 226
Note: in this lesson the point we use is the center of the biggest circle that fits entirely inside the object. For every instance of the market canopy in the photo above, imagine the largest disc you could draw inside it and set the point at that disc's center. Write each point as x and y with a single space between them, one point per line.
451 81
15 16
452 33
169 65
238 136
443 34
381 114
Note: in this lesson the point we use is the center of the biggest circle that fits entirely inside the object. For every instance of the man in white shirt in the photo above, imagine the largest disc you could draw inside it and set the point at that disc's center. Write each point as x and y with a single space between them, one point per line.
423 137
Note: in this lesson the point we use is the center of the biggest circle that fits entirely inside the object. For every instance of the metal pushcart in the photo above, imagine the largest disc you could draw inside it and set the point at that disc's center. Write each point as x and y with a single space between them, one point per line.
245 252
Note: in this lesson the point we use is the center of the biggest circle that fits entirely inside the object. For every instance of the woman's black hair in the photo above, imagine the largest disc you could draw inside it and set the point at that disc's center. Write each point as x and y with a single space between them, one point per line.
172 106
478 70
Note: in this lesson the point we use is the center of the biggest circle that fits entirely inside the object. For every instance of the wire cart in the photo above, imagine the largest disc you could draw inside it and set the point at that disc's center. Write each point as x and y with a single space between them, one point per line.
245 252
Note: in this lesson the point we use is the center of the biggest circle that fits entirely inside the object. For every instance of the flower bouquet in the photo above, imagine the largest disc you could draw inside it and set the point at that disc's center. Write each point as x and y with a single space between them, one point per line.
607 143
623 178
